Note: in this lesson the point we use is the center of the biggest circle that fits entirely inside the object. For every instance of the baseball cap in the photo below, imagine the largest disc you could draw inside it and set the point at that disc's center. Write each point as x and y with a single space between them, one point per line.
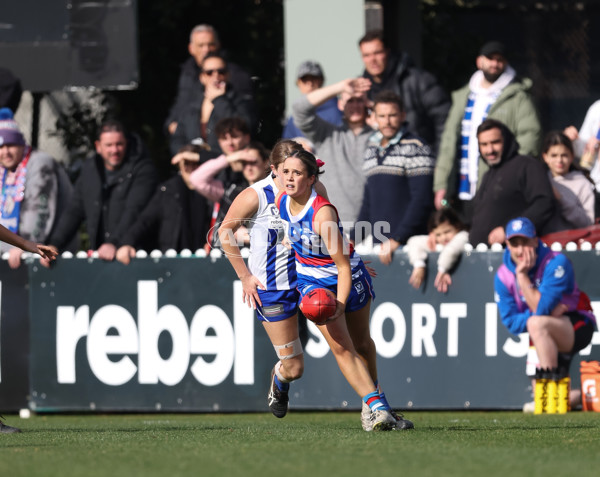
520 227
309 68
492 47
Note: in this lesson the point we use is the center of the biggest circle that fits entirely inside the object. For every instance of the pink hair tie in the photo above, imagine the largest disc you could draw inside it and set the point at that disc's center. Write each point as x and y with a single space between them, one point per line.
320 163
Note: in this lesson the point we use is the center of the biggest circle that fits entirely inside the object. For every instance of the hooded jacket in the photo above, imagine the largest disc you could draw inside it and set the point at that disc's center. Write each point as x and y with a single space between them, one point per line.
514 107
343 153
554 278
425 101
108 207
190 90
225 106
516 186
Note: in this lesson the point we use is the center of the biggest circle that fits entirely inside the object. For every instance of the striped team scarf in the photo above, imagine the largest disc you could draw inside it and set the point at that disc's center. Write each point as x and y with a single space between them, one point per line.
466 183
12 193
468 166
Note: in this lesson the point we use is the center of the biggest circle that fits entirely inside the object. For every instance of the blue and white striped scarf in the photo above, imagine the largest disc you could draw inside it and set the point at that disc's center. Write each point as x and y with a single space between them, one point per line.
468 162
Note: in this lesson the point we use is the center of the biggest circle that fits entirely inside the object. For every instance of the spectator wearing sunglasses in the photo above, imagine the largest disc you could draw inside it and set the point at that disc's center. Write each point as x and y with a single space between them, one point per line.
219 101
204 39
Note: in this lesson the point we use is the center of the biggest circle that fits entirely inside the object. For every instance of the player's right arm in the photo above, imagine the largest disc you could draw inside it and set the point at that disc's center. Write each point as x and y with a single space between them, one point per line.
47 252
244 207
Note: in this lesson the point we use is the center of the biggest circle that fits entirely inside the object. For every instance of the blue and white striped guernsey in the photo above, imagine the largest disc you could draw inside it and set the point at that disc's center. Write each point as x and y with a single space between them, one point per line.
270 261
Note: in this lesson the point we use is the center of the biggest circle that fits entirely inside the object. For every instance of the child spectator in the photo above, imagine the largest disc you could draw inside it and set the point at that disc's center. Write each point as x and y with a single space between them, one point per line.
572 189
446 231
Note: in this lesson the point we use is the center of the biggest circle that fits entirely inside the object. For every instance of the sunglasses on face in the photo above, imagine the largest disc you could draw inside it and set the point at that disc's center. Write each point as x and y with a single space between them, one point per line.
220 71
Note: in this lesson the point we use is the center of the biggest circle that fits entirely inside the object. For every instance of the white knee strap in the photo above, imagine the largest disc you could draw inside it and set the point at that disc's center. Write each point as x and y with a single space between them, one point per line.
296 347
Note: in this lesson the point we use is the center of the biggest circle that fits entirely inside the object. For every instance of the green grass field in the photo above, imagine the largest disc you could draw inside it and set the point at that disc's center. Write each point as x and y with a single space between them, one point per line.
307 444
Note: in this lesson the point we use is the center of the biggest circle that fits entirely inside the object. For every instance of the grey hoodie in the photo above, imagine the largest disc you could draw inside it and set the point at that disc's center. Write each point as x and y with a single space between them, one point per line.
343 154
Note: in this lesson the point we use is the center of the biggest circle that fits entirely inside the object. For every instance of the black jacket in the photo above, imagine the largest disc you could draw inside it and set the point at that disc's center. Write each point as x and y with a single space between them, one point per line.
516 187
190 90
108 209
164 219
225 106
425 101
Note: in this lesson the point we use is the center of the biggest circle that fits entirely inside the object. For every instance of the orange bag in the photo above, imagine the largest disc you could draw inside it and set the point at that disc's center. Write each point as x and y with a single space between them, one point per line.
590 385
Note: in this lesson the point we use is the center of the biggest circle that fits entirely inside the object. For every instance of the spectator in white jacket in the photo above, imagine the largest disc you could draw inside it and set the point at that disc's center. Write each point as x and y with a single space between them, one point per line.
446 235
586 141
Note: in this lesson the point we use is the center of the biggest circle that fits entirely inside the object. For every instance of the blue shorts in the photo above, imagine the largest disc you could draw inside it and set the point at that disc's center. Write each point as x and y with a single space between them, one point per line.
277 305
360 291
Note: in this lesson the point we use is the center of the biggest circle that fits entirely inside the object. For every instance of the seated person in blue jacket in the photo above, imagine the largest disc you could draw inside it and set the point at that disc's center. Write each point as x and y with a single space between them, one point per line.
536 292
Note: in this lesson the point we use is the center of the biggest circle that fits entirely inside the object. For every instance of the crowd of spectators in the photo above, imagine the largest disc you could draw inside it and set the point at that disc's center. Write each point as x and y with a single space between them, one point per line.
406 164
396 145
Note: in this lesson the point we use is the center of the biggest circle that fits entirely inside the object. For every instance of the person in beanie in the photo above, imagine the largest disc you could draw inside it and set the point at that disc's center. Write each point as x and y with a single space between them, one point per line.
35 188
536 292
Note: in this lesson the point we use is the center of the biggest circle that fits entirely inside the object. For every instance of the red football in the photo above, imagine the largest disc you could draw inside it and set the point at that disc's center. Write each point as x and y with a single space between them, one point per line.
318 305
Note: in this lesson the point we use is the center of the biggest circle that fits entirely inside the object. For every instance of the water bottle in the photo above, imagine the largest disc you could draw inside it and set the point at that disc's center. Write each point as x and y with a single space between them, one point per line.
564 387
541 391
552 391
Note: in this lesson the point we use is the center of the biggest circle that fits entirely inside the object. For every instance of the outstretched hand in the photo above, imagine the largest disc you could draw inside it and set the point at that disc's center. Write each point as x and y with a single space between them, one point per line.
48 252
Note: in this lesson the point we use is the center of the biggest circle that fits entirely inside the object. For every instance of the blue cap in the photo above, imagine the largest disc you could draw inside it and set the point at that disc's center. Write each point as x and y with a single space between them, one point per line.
520 227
